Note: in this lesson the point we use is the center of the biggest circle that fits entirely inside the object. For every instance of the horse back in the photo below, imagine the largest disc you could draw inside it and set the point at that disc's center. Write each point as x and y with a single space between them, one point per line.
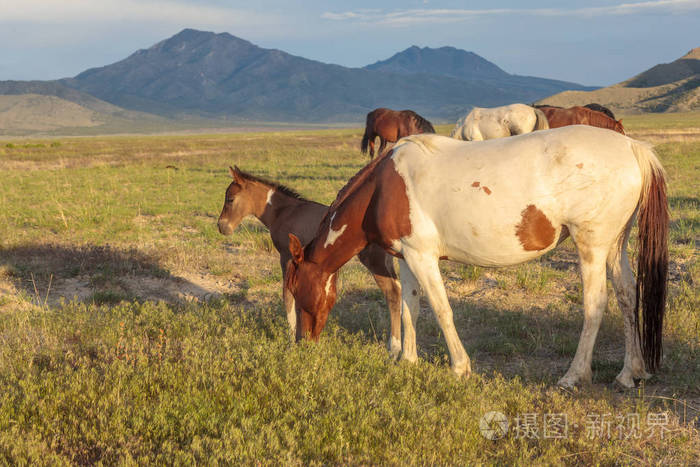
474 198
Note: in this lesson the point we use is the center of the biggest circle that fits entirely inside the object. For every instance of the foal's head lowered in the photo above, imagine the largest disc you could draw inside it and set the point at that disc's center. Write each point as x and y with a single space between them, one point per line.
314 291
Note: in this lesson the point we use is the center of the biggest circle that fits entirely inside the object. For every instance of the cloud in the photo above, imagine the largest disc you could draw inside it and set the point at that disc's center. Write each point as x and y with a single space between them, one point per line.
160 11
428 16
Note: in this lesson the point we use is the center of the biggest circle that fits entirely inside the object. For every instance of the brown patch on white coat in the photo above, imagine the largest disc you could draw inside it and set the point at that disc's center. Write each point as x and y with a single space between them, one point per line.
534 231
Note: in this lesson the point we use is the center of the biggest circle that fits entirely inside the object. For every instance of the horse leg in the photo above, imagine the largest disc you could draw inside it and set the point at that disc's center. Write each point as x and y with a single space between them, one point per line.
382 145
426 270
381 266
288 300
623 281
595 299
371 148
410 306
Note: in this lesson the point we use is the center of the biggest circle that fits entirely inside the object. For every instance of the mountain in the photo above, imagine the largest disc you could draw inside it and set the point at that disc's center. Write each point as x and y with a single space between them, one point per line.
668 87
221 76
467 66
447 61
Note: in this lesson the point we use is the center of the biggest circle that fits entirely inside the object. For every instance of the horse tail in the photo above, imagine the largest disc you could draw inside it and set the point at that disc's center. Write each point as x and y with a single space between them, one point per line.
541 122
369 123
652 261
365 141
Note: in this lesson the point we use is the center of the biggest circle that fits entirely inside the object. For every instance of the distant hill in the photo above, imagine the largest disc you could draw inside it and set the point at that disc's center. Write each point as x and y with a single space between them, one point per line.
55 88
35 112
668 87
50 107
468 66
219 75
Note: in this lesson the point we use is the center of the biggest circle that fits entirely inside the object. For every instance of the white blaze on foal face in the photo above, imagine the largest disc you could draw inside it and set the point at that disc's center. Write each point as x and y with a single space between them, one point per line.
269 196
333 234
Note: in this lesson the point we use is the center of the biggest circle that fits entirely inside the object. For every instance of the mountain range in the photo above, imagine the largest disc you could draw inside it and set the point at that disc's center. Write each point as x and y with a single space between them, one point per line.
202 79
203 75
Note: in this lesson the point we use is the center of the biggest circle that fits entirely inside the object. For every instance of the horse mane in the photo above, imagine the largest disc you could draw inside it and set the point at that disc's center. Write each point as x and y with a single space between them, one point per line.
424 141
539 106
424 125
275 185
599 118
600 108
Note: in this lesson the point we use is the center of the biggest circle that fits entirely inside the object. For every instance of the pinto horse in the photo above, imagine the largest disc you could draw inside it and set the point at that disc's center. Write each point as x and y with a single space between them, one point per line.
499 122
284 211
559 117
390 126
498 203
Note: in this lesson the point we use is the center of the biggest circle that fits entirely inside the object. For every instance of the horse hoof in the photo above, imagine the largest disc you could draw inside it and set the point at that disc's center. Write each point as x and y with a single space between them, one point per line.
620 387
570 384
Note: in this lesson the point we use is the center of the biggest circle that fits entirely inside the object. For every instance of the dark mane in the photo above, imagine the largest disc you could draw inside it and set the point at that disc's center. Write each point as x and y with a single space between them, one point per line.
539 106
277 186
424 125
600 108
599 118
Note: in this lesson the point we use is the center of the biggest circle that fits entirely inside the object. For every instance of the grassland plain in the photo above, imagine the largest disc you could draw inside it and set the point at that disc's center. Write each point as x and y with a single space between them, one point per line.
131 331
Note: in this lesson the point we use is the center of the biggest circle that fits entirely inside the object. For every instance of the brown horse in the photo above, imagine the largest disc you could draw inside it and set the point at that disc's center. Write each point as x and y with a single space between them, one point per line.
559 117
284 212
390 126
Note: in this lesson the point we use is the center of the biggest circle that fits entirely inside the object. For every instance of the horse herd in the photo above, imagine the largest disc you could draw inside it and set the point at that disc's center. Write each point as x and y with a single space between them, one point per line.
489 203
481 124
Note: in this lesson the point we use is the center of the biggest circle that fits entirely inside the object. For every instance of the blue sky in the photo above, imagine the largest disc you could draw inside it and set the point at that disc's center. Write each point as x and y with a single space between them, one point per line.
598 42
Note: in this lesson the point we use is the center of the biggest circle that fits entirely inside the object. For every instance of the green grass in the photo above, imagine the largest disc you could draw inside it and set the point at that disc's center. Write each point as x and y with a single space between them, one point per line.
222 383
119 376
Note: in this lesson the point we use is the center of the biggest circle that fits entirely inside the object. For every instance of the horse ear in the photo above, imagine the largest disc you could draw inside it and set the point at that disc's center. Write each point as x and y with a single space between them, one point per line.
619 121
296 249
236 174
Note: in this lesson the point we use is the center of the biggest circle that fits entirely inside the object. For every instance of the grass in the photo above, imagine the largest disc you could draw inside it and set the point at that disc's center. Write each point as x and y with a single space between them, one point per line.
175 349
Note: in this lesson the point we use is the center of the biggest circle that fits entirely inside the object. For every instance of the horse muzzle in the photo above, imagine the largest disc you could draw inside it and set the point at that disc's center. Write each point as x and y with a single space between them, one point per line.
224 227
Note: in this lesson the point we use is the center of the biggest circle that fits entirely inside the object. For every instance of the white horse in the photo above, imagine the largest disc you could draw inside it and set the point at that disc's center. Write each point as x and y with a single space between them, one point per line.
499 122
499 203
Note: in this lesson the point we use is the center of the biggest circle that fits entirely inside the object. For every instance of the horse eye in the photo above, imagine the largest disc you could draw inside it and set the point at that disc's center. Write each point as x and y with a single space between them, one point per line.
229 200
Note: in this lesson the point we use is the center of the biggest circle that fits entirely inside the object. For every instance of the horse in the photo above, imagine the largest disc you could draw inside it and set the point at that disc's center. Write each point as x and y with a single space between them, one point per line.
601 109
499 122
390 126
593 106
559 117
283 211
498 203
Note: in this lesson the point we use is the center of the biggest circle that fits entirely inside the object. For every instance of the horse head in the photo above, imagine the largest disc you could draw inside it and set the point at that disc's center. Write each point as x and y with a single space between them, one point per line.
237 204
618 126
313 289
